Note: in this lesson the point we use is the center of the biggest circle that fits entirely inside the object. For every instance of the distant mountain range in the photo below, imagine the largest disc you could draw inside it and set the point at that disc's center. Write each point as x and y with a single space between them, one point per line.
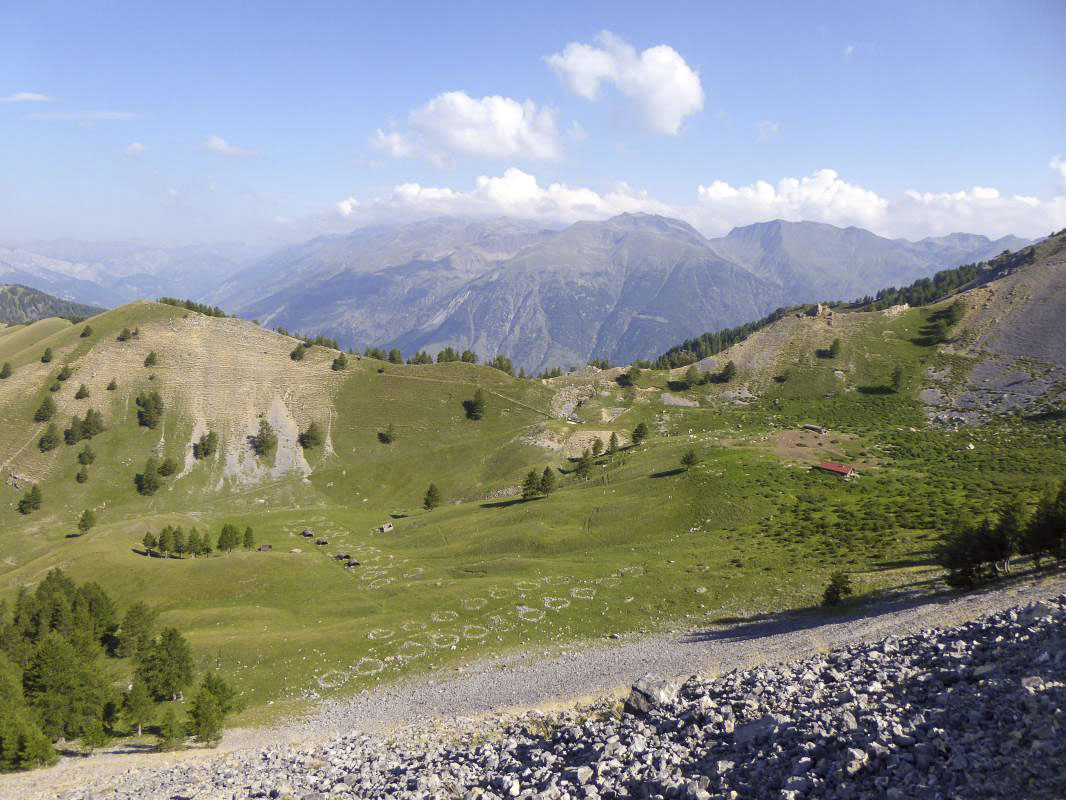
620 289
113 273
624 288
20 304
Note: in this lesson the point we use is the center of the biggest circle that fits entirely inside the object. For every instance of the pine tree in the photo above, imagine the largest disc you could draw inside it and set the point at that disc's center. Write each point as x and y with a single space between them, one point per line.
340 363
86 455
46 357
729 371
266 441
112 385
395 357
689 459
135 632
166 541
166 665
206 447
475 408
148 482
5 371
168 467
49 439
149 409
469 356
149 542
194 544
249 538
31 500
82 475
86 332
86 521
171 731
205 717
298 352
693 376
45 411
151 359
597 447
387 436
137 707
612 444
432 498
834 348
229 538
64 373
897 379
640 433
584 465
531 485
125 335
65 687
82 392
312 437
179 542
547 481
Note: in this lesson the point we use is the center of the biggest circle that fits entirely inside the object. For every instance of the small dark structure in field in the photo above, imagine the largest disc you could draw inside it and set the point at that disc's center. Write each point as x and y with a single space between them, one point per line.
321 540
815 428
386 528
265 548
843 470
307 533
351 562
342 556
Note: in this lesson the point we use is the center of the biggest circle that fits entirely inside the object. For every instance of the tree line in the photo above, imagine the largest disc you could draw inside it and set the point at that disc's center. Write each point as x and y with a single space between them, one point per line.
173 541
60 647
980 549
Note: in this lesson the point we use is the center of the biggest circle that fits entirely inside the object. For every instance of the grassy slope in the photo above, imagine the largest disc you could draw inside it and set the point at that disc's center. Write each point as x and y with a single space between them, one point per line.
639 546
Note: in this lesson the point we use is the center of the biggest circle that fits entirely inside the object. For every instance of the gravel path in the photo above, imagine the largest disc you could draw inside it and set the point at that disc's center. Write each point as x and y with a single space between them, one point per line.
481 696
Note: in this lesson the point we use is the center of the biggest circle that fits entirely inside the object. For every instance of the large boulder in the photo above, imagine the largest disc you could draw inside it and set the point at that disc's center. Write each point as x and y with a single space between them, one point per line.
651 692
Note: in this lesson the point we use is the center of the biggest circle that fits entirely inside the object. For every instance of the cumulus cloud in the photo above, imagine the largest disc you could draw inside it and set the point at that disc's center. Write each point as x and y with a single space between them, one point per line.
218 145
515 193
25 97
660 84
719 206
490 127
133 150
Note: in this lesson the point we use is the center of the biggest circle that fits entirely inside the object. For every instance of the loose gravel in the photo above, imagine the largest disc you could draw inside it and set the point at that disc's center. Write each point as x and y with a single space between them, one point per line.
915 698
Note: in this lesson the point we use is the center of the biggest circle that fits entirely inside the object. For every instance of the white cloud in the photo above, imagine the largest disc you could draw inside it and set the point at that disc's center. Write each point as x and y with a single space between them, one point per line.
767 129
25 97
218 145
719 206
84 116
133 150
1058 163
490 127
515 193
663 88
849 52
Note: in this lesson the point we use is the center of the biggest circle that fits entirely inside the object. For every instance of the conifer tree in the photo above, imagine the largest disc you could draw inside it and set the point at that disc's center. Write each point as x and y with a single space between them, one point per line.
469 356
597 447
171 731
151 359
897 379
194 544
136 631
229 538
547 481
166 541
137 707
5 371
86 332
64 373
149 409
82 475
729 371
112 385
584 465
395 356
149 542
266 441
612 444
531 485
45 411
46 357
148 482
475 408
432 498
168 467
125 335
179 542
31 500
49 439
312 437
86 455
206 447
689 459
249 538
82 393
86 521
340 363
166 665
640 433
205 717
298 352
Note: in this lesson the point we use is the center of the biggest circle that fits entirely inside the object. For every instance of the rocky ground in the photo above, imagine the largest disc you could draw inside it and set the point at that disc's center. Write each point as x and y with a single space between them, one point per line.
963 711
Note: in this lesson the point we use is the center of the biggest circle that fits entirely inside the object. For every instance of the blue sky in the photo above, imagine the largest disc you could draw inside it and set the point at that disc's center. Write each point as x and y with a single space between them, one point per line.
270 121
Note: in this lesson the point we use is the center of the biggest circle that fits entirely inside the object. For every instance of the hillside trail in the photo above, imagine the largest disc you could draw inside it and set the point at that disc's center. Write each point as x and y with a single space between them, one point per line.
486 693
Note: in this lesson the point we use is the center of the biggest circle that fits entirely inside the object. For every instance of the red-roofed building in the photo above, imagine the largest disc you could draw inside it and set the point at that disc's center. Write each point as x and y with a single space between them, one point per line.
843 470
